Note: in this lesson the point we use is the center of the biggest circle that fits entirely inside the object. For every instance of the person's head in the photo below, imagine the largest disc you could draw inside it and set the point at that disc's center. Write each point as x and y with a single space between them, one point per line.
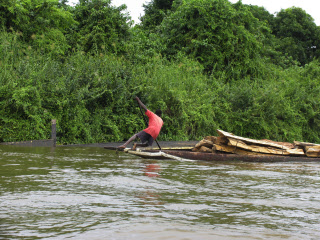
158 112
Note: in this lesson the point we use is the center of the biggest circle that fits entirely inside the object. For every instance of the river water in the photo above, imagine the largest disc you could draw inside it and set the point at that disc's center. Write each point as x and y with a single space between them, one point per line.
93 193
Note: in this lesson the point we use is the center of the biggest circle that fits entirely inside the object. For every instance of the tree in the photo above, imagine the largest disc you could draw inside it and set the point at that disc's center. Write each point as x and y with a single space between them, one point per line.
298 34
216 34
155 11
41 23
268 39
102 27
261 13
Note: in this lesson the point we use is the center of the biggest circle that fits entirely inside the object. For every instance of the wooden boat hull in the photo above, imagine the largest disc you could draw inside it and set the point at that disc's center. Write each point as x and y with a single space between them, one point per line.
222 157
218 157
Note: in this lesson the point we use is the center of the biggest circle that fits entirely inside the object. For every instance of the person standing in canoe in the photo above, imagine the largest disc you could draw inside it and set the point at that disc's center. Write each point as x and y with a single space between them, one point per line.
148 135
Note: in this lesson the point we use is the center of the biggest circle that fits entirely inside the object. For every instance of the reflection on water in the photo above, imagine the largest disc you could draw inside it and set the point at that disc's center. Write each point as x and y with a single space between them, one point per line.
152 170
93 193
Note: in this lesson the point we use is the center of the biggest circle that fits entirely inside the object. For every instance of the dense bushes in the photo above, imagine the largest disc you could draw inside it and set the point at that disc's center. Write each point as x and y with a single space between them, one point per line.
90 87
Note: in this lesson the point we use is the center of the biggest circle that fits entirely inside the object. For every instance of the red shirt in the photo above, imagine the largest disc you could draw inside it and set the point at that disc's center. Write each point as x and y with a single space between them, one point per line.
155 124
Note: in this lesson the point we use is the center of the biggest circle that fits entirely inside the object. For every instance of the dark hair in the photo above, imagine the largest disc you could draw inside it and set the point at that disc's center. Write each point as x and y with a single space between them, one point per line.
158 112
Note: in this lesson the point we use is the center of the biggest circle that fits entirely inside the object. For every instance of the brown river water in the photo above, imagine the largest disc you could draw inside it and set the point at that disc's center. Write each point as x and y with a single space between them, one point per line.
93 193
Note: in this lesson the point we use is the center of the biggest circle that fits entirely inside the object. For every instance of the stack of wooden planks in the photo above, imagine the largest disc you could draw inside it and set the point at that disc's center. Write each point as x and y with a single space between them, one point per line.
230 143
310 149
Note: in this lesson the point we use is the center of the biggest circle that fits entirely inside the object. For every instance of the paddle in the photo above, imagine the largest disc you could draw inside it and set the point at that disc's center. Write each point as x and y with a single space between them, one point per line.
144 117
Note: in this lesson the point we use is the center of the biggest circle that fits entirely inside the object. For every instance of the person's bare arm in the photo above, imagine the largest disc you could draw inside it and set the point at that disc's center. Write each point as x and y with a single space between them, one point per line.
141 104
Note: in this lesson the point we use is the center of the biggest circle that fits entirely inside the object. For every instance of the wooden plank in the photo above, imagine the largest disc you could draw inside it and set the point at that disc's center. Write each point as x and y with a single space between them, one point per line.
287 144
208 142
251 141
315 148
222 140
212 139
232 149
206 149
304 144
148 148
313 151
205 143
264 150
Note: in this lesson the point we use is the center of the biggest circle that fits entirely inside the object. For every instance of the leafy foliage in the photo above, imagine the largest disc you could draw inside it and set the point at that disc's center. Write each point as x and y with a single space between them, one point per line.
155 11
101 26
298 34
216 35
206 64
40 23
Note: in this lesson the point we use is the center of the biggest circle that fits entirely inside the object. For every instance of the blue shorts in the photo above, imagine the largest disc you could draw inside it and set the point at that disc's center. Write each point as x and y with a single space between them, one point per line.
145 138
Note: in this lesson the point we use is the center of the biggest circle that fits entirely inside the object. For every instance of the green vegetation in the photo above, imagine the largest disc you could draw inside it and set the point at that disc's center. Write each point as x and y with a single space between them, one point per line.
207 64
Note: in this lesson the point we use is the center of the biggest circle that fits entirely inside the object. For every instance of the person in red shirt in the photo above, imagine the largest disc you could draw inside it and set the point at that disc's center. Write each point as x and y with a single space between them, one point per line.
148 135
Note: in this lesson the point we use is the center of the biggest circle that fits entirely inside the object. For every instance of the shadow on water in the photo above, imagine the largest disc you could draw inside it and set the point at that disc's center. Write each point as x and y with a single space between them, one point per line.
93 193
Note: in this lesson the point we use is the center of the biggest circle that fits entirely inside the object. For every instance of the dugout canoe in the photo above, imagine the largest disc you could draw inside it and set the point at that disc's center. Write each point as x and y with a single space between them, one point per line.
188 155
